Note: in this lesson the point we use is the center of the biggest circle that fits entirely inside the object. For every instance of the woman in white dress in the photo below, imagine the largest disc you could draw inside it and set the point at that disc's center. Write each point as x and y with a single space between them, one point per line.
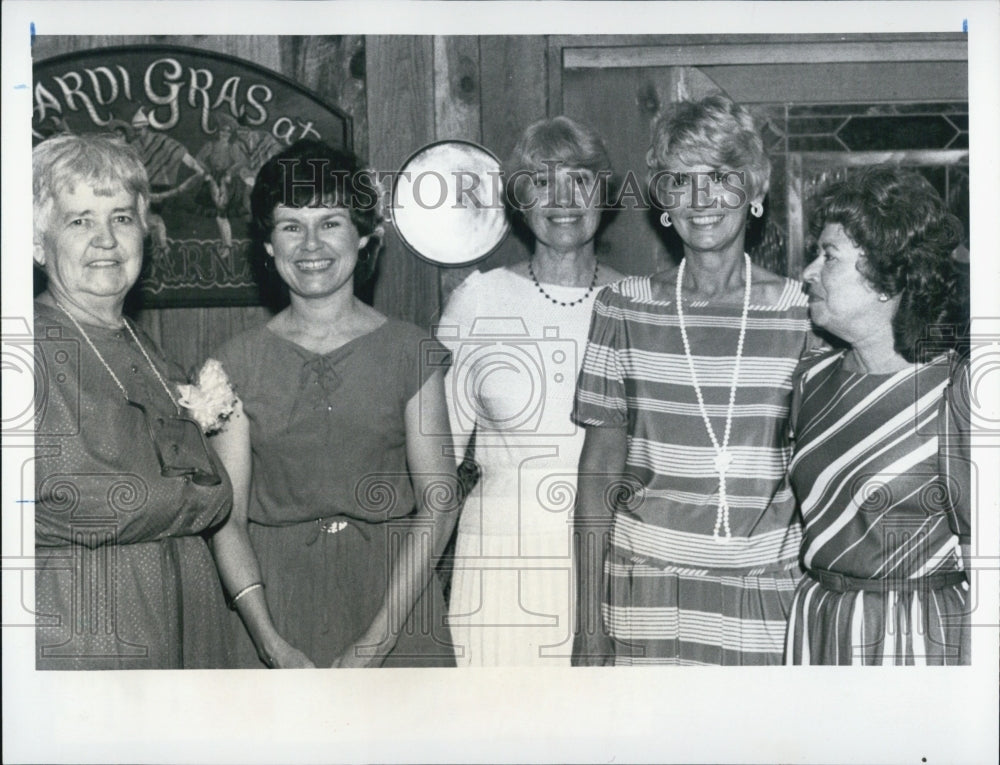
517 335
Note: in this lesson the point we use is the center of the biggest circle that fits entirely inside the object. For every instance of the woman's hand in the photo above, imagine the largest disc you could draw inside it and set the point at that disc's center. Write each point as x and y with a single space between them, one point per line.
234 555
285 656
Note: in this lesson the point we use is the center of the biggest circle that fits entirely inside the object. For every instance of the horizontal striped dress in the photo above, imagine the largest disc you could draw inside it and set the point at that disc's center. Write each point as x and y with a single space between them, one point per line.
883 479
675 593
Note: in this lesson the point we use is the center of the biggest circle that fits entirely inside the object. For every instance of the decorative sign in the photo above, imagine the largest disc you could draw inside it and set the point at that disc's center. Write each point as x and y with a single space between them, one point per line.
204 124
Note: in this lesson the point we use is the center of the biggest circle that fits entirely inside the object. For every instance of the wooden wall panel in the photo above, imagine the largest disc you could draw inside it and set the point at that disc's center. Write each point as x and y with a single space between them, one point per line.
457 92
457 113
514 88
515 94
333 67
400 82
488 89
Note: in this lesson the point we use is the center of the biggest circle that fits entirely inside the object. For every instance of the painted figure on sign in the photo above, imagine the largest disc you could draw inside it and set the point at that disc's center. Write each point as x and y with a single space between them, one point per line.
163 156
224 159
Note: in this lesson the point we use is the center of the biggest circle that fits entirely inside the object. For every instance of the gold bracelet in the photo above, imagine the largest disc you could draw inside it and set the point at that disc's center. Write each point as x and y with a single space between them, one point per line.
244 591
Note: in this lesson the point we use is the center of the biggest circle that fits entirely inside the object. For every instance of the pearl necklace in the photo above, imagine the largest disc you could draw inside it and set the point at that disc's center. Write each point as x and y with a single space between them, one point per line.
100 358
593 283
723 457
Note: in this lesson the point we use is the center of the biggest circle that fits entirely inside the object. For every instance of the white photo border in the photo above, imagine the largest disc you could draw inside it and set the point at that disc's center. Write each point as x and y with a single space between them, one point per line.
883 715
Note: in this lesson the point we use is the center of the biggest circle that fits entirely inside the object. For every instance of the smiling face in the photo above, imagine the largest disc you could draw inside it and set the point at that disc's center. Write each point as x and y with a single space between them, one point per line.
841 299
91 247
315 249
562 207
708 205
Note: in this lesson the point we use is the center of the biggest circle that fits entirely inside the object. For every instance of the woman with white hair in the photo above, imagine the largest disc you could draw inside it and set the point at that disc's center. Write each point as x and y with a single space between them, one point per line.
125 484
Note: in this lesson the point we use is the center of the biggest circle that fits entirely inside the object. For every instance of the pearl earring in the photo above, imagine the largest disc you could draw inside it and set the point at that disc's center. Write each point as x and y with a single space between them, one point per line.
756 209
883 298
665 220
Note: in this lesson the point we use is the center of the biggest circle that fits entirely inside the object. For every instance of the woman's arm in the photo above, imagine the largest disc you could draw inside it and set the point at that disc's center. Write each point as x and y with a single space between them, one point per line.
461 432
234 555
435 486
452 331
602 474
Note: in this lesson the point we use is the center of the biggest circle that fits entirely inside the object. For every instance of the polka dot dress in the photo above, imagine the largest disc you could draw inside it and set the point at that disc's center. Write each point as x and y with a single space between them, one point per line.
124 577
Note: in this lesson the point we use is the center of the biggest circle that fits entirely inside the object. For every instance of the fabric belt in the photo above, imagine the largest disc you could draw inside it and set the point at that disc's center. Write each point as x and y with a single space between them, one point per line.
843 583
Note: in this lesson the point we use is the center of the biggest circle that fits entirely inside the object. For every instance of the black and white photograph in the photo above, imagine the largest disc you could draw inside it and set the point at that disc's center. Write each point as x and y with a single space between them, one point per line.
542 381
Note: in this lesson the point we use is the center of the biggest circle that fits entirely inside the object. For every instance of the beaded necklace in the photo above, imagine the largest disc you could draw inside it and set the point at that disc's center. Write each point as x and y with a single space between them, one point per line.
723 457
593 283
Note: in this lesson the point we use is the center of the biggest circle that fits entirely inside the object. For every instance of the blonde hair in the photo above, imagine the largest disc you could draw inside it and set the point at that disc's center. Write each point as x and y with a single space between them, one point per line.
563 141
714 131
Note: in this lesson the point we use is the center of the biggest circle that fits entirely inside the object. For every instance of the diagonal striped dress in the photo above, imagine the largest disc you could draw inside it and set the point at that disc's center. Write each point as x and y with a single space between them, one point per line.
884 491
676 594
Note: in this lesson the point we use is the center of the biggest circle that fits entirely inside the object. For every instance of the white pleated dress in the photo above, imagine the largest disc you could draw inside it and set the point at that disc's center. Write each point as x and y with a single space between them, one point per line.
515 359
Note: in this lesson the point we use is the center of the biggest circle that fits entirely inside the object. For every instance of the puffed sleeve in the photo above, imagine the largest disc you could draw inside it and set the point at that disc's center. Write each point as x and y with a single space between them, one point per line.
600 389
954 459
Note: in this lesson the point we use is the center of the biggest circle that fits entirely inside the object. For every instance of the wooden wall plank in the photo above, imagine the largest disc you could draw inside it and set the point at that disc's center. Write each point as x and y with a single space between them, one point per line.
515 88
333 67
400 121
515 94
457 112
457 91
730 52
915 81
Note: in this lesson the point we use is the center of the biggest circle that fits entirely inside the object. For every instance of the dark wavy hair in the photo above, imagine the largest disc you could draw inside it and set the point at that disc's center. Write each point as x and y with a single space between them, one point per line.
311 172
900 223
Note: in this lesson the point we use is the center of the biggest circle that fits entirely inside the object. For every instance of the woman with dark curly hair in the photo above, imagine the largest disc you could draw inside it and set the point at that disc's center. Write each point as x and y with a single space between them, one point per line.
341 486
880 468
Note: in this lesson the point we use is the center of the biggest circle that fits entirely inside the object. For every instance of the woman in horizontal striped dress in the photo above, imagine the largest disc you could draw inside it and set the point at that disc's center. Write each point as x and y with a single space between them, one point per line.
687 533
881 465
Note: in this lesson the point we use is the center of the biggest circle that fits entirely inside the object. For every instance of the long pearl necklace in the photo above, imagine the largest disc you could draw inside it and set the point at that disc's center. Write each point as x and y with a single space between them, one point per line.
593 283
100 358
723 457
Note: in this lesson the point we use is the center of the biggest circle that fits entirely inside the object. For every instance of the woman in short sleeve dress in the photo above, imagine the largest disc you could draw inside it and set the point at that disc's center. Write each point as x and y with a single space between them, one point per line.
343 493
687 528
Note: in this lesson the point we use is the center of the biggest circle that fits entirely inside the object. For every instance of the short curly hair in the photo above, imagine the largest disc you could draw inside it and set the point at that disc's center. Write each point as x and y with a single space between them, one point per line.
101 160
713 131
311 172
907 235
558 141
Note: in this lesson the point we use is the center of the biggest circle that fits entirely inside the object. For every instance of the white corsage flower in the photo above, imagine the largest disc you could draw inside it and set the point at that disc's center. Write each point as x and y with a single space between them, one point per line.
210 402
